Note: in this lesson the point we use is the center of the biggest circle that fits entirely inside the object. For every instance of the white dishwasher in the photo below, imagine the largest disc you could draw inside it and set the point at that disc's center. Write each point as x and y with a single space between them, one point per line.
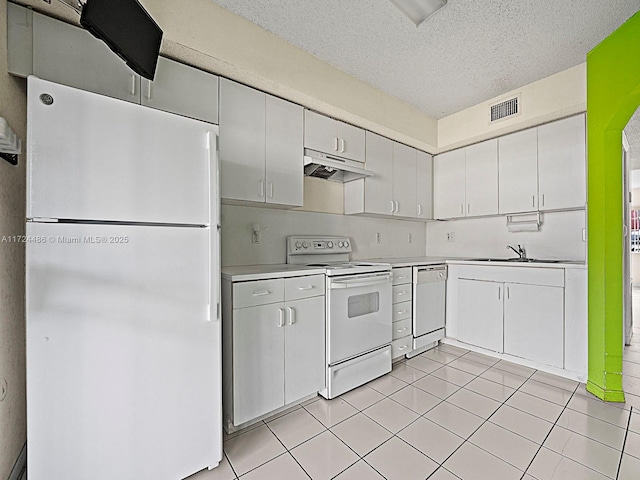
429 298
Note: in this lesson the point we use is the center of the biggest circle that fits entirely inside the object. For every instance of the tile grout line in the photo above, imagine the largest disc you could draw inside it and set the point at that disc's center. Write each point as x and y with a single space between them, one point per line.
547 436
624 443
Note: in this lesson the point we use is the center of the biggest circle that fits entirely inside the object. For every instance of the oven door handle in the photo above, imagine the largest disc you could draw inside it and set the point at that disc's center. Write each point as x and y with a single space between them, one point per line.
360 282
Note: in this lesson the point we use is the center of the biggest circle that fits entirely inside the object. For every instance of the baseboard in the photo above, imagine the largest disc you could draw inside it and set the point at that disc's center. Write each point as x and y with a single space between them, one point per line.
606 395
20 467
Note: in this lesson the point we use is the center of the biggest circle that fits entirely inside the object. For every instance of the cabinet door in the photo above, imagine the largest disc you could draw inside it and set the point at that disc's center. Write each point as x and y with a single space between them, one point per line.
71 56
242 141
258 361
304 359
404 180
481 179
178 88
351 142
561 164
449 184
320 133
480 313
424 185
284 151
518 171
378 189
534 323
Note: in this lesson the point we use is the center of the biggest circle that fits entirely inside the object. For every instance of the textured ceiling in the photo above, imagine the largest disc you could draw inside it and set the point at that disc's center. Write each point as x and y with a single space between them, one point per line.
469 52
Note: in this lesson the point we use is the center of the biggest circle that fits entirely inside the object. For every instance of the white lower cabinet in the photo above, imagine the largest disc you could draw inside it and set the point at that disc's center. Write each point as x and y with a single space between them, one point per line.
534 323
274 353
480 311
402 295
518 311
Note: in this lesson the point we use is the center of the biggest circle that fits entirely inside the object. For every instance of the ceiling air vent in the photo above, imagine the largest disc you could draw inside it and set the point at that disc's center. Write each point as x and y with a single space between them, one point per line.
505 109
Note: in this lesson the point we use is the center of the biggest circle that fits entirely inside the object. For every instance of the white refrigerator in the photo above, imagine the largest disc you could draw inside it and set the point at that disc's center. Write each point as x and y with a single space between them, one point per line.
122 290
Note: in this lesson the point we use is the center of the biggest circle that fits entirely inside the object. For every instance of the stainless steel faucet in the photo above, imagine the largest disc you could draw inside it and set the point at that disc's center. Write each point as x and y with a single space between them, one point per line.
522 254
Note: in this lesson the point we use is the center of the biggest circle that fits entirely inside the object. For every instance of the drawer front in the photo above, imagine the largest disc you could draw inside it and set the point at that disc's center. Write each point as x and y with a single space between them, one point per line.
402 293
303 287
401 329
401 347
401 275
402 311
261 292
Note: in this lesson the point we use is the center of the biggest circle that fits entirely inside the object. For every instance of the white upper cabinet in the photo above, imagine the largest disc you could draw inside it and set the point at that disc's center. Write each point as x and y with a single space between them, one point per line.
242 142
481 179
518 172
71 56
351 142
181 89
449 184
260 147
561 164
404 180
283 150
378 189
333 137
424 185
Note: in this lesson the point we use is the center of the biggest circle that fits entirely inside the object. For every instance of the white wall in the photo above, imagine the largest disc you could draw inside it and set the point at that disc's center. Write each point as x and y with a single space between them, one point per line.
12 204
559 238
551 98
237 222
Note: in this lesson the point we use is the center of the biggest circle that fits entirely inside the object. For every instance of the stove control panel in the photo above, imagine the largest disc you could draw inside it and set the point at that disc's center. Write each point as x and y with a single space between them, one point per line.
318 245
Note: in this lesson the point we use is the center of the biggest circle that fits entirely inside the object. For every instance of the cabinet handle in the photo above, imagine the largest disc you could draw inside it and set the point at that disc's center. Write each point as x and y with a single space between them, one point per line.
335 143
292 316
419 209
402 312
533 201
306 287
342 145
402 293
393 206
508 296
133 85
461 209
149 90
261 293
543 199
468 208
401 277
270 189
499 292
404 347
281 318
400 330
261 192
397 207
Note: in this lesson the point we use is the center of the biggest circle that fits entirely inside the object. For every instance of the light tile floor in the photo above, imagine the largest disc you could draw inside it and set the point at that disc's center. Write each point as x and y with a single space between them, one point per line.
448 414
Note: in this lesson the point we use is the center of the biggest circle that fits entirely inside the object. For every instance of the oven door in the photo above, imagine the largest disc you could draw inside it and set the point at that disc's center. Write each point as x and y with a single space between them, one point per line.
359 315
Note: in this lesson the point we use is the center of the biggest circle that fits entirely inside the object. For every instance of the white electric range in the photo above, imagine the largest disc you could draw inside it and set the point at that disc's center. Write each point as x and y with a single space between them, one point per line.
358 311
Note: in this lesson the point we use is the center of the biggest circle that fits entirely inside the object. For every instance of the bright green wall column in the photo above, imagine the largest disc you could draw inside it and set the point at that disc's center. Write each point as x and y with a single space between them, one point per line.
613 95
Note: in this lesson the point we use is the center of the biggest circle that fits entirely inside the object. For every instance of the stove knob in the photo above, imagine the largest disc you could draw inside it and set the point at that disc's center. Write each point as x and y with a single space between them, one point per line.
305 245
298 245
330 244
340 244
346 244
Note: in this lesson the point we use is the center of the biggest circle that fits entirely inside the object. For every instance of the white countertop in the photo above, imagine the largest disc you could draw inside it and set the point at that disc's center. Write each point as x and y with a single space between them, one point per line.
263 272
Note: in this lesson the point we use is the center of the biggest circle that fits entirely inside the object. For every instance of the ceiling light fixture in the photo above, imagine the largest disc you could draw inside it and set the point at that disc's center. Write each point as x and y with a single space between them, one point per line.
419 10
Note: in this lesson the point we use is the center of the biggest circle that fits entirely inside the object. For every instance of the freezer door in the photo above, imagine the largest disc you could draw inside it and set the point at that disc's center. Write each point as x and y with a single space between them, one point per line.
123 352
92 157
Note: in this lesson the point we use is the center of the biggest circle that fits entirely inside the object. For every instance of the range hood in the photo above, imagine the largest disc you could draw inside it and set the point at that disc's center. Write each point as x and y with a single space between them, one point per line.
321 165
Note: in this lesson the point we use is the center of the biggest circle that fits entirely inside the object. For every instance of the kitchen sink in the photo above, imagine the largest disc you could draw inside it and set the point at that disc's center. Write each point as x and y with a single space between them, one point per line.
517 260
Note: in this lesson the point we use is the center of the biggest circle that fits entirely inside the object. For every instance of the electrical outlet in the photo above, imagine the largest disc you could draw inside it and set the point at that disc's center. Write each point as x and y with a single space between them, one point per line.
451 237
378 238
409 238
255 238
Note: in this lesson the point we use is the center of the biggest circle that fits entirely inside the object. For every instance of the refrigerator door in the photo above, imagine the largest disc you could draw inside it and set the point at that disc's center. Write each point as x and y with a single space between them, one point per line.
92 157
123 352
